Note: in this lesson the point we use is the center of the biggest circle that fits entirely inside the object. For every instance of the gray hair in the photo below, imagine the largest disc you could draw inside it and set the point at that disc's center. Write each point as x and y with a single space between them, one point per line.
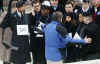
57 16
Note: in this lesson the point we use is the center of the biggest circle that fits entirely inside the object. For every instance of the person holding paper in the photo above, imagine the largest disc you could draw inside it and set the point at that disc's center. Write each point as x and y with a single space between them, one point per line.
20 37
56 38
91 30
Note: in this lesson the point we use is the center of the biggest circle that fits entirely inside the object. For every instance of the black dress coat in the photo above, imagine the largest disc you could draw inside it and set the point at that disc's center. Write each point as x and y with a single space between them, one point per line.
37 44
19 41
60 8
90 11
89 30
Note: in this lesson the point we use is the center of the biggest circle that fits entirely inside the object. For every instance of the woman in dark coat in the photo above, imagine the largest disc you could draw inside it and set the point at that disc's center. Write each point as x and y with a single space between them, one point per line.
70 25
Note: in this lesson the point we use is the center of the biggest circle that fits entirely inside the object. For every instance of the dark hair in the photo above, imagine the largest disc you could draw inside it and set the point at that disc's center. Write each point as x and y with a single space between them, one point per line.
71 16
86 1
20 4
57 15
69 2
45 7
35 1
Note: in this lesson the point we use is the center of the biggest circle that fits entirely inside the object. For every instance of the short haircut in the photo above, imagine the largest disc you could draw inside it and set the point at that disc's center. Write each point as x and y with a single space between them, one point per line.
57 15
86 1
35 2
45 7
69 2
20 4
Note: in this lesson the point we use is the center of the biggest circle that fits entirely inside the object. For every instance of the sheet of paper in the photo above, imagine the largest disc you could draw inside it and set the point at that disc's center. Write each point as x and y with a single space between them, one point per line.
39 35
41 24
76 36
22 30
70 34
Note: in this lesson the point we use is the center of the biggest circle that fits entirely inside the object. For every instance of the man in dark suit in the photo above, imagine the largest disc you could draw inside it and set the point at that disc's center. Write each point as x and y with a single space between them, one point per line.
37 43
56 6
86 9
88 28
20 37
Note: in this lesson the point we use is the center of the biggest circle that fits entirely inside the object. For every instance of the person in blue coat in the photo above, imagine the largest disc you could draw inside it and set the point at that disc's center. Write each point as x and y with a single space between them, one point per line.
56 37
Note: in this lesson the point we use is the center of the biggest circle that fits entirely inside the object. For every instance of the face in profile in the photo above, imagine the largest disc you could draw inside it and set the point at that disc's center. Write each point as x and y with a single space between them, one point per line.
54 2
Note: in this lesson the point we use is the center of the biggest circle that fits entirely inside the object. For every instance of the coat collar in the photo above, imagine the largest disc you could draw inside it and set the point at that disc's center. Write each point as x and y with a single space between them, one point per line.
55 22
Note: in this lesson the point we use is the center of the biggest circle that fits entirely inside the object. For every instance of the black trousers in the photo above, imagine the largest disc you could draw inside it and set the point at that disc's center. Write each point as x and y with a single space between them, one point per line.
73 53
17 57
38 50
21 56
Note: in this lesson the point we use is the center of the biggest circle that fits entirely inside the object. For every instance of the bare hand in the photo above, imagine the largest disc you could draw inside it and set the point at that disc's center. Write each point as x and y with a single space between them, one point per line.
88 40
14 48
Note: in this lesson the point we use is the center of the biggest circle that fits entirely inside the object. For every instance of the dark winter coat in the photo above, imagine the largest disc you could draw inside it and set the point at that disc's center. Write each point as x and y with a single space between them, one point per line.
19 41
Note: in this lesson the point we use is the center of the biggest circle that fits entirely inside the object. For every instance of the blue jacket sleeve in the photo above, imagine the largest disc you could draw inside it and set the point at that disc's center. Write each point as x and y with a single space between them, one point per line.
69 39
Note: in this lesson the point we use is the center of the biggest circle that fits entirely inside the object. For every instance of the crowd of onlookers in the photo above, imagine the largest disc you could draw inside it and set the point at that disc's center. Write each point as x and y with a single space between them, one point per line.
34 30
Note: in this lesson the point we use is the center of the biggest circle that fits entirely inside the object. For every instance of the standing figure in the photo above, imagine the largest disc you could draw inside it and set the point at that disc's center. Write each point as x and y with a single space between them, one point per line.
20 39
37 43
56 37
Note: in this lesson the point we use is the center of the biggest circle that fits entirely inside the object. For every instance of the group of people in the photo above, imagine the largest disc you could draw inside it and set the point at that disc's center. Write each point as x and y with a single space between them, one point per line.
54 31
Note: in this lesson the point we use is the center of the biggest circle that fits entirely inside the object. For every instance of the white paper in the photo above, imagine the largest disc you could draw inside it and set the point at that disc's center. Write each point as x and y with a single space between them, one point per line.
22 30
39 35
70 34
41 24
76 36
35 32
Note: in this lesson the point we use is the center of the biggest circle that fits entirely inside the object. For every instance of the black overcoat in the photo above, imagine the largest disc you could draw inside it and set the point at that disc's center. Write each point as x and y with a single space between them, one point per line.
19 41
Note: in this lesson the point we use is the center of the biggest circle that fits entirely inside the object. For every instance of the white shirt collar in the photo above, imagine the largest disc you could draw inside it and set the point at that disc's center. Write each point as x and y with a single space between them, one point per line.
19 13
85 10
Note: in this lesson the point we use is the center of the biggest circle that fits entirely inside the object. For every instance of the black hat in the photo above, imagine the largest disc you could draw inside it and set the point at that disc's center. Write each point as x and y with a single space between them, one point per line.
20 4
86 1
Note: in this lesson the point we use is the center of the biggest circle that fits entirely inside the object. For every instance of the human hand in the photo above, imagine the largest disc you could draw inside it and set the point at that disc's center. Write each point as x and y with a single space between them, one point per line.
6 46
88 40
15 48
